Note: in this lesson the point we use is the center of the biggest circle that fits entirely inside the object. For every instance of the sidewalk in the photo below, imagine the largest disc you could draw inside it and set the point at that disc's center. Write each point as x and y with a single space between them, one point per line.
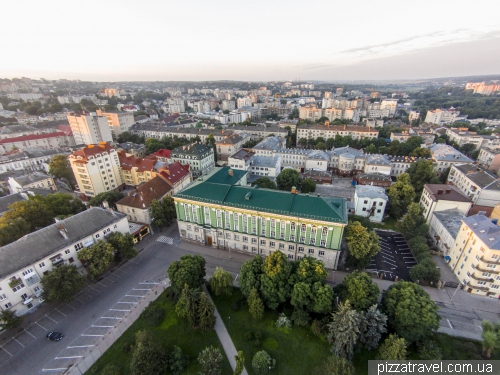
224 337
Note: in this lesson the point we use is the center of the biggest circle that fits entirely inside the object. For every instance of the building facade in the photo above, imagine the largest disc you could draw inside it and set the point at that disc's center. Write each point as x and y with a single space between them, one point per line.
89 128
489 158
118 122
440 197
200 158
370 202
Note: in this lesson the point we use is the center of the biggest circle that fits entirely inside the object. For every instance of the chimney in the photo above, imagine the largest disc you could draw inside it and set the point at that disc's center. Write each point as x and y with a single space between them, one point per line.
448 191
230 172
105 204
294 190
440 191
63 231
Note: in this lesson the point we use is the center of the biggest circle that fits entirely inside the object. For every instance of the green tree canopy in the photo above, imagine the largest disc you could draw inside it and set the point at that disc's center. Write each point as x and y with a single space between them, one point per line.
62 283
373 327
413 223
109 196
206 316
287 179
425 271
190 270
163 211
97 258
400 194
265 183
221 282
362 244
59 167
335 366
261 363
210 360
240 363
149 356
393 349
255 304
491 337
422 172
123 244
343 330
275 287
9 319
308 186
250 274
360 290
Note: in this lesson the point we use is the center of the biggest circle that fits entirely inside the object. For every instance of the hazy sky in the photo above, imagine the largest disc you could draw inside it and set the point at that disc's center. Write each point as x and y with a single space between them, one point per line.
112 40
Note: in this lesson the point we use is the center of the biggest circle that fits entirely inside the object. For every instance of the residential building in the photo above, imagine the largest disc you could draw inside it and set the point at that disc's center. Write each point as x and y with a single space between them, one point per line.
31 159
313 131
313 113
440 197
268 166
495 214
400 137
162 155
370 202
414 115
445 156
374 179
400 164
463 136
241 160
269 145
199 157
96 168
244 102
159 130
261 131
483 88
477 184
118 122
378 164
475 256
443 228
230 144
489 158
176 175
89 128
31 180
54 140
24 195
136 171
228 105
222 212
24 262
441 116
135 149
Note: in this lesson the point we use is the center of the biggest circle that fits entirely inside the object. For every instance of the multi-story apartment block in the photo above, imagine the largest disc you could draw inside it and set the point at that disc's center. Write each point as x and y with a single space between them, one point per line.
400 164
463 136
489 158
313 131
244 102
89 128
222 212
200 158
241 160
443 228
96 168
24 262
475 257
46 141
230 144
445 156
159 130
31 159
32 180
442 116
414 115
400 137
440 197
269 145
268 166
370 202
477 184
261 131
483 88
118 122
135 171
228 105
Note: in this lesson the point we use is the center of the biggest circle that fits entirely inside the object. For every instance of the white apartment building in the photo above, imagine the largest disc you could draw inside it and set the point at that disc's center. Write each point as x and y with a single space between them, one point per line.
442 116
443 228
370 202
228 105
463 136
391 105
118 122
475 256
441 197
413 115
244 102
313 131
32 180
489 158
445 156
90 128
24 262
96 168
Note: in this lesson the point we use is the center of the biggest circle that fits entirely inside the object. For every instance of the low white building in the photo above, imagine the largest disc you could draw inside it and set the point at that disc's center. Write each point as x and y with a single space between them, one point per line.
441 197
24 262
443 228
370 202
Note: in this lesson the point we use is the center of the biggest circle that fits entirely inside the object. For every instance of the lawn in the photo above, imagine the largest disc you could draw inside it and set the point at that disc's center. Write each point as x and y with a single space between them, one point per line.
172 331
389 224
297 351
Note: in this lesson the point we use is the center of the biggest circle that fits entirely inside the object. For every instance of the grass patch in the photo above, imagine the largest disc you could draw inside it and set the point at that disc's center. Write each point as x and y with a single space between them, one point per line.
171 331
297 350
389 224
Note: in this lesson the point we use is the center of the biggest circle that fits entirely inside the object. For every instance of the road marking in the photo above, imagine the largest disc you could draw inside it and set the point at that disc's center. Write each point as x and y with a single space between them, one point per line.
104 285
5 350
80 346
29 333
50 318
60 312
92 335
141 289
132 295
110 317
146 282
42 327
133 303
451 325
55 369
73 356
70 306
102 326
18 342
94 289
79 300
164 239
118 310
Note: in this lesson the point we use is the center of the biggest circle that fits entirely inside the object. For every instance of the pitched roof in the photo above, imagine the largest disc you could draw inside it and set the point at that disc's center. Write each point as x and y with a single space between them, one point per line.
93 149
484 228
192 149
226 176
163 153
174 172
32 137
142 197
368 191
443 192
47 241
479 176
129 162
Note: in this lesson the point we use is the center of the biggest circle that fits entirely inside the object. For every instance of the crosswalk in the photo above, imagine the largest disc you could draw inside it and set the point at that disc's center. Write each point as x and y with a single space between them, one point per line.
167 240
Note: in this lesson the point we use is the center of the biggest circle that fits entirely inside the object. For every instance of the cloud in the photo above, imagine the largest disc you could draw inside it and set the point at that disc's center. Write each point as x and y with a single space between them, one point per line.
314 66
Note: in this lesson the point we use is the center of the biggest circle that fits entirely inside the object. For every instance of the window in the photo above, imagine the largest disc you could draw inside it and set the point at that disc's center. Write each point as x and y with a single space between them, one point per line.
189 227
9 305
18 287
290 256
324 231
273 223
254 220
486 274
228 236
321 253
322 243
97 235
292 237
41 265
273 234
495 286
282 246
254 249
312 241
28 271
236 237
245 239
302 239
245 247
254 240
263 242
272 244
78 246
491 266
311 251
292 226
282 235
291 247
477 257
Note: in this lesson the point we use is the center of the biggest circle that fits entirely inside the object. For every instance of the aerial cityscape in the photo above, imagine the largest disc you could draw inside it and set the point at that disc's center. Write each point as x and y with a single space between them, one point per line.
211 198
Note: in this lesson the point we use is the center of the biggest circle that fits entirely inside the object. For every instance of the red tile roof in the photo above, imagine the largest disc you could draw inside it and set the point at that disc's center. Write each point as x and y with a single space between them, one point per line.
162 153
93 149
129 162
32 137
66 129
142 197
174 172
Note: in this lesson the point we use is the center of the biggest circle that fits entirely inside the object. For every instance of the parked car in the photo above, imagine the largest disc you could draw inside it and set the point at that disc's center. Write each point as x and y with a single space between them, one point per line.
54 336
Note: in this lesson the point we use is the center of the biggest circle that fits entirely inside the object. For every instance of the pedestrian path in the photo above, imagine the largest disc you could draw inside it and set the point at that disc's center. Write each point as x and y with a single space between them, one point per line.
224 338
165 239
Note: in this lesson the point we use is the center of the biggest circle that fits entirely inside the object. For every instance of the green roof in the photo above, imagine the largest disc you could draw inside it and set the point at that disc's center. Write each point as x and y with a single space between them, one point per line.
223 177
267 200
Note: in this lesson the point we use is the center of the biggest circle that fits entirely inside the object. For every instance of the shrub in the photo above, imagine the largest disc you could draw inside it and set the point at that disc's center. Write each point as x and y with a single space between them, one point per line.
283 322
248 336
258 335
300 317
153 314
429 350
261 363
256 343
318 328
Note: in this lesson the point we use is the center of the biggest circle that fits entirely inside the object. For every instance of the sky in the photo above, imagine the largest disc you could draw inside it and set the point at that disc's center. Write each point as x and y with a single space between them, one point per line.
195 40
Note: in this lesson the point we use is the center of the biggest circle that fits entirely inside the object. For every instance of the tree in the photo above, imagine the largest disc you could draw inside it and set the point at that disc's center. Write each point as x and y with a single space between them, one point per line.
250 274
255 304
12 230
240 363
335 366
410 312
261 363
360 290
425 271
210 360
371 149
61 204
221 282
343 330
413 223
491 337
400 194
190 270
33 211
373 326
265 183
163 211
364 221
392 349
421 173
467 148
149 356
9 319
62 283
177 361
111 197
123 244
59 167
308 186
275 288
206 316
97 258
187 305
153 145
302 141
287 179
362 244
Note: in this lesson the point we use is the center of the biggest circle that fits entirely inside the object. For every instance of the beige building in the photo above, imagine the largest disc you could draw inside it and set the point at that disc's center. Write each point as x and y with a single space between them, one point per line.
89 128
230 145
475 257
313 131
440 197
134 170
463 136
96 168
442 116
45 141
118 122
489 158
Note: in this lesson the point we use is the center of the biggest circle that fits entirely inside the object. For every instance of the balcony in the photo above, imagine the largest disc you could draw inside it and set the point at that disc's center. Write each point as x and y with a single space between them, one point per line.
489 270
490 261
482 288
482 278
57 260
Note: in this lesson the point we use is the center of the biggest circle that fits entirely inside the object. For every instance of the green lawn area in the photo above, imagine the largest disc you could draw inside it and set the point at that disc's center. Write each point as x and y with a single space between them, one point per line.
172 331
297 351
389 223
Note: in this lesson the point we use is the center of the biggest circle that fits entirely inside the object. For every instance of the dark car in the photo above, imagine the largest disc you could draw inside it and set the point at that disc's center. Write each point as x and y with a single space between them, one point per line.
54 336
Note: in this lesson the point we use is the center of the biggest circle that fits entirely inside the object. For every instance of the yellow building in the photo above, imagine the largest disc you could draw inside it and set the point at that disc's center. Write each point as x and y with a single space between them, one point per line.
134 170
495 214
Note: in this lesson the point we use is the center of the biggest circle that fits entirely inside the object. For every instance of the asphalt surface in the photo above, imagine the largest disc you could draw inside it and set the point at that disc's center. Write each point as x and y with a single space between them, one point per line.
394 261
84 319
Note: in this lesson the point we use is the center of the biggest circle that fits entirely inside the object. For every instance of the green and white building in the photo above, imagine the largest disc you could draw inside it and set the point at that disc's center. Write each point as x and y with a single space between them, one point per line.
219 210
200 158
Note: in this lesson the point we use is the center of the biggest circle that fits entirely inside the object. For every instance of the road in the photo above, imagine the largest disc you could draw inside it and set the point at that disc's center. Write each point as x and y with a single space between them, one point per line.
28 352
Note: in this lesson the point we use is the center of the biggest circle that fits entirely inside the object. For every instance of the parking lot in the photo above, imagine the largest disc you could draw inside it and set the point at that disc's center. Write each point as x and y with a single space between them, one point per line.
394 261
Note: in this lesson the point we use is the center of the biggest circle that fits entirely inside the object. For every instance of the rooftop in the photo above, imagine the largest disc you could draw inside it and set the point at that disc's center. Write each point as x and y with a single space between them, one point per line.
243 155
339 128
129 162
92 150
31 178
173 172
265 161
32 137
451 220
367 191
142 197
377 159
374 176
482 227
442 152
192 149
479 176
47 241
269 143
443 192
226 176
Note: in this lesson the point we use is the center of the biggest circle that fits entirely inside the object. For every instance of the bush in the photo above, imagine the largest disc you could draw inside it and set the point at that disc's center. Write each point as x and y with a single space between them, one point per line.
256 343
283 322
261 363
248 336
300 317
429 350
153 314
128 346
258 335
318 328
236 305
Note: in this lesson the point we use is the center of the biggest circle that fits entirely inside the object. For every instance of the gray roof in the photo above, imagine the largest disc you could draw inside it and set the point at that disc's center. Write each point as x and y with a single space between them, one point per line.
377 159
16 128
33 152
318 154
482 227
131 146
368 191
31 178
270 143
479 176
195 149
346 150
442 152
451 220
47 241
6 201
265 161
